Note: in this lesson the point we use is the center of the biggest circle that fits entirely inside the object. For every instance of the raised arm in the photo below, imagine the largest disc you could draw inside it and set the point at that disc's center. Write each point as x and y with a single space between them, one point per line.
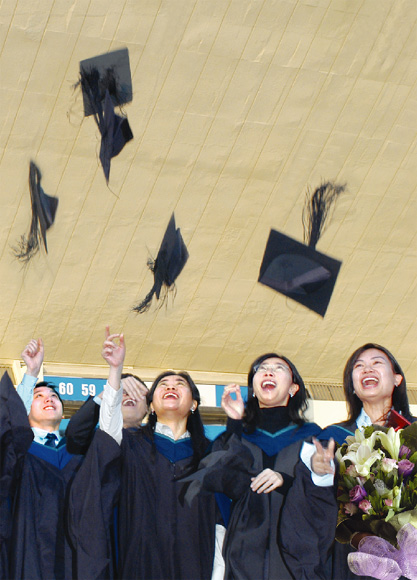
111 419
32 356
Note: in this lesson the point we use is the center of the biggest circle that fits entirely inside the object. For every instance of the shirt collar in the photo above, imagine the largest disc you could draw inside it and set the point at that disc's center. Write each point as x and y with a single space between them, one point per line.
163 429
363 420
40 435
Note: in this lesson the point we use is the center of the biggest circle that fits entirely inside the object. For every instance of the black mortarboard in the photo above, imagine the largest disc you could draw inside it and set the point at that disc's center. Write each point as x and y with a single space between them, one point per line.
169 262
298 270
43 216
106 82
109 71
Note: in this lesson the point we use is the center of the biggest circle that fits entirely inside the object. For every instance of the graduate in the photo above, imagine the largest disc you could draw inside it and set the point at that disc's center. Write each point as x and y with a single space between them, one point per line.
254 462
159 536
38 546
375 392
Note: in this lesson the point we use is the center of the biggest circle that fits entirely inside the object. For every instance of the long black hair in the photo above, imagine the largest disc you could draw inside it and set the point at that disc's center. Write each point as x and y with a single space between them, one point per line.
296 405
399 395
194 422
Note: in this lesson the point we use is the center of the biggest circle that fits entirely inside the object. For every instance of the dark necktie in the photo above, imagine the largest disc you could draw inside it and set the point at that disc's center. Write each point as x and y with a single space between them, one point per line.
50 440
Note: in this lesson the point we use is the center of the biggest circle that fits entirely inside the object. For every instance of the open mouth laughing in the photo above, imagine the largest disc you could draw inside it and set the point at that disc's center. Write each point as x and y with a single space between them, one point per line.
268 385
369 382
129 403
171 395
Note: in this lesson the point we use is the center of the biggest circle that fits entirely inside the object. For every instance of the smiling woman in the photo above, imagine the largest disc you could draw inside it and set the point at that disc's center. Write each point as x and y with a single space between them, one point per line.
376 393
261 447
158 535
374 383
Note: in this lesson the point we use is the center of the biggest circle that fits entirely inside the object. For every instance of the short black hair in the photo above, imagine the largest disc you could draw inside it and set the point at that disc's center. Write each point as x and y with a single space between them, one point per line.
53 388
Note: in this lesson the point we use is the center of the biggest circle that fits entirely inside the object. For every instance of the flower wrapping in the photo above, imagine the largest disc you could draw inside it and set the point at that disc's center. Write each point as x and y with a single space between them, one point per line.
378 558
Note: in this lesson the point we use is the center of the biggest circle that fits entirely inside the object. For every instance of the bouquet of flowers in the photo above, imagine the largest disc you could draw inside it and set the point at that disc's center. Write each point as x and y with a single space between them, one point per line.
377 494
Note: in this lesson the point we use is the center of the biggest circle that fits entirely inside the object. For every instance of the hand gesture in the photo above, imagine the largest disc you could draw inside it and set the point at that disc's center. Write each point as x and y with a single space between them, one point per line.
32 356
320 462
234 408
114 352
266 481
134 389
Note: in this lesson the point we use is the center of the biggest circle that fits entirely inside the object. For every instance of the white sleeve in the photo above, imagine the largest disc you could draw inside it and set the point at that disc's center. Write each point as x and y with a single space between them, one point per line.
307 452
111 418
218 562
25 390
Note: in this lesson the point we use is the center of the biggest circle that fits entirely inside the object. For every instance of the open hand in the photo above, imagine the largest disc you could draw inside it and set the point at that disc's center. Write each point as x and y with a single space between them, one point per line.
266 481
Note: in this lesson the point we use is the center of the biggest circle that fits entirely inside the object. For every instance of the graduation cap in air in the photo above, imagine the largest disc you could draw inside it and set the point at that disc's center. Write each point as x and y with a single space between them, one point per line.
297 269
106 83
167 266
43 216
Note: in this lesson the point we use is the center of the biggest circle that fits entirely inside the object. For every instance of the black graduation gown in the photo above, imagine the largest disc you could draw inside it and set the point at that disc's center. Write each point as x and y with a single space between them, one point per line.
252 548
15 439
159 536
40 543
37 544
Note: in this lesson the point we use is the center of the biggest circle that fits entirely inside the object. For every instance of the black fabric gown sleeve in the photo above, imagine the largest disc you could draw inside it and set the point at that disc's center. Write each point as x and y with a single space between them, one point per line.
81 427
15 439
225 470
307 527
92 499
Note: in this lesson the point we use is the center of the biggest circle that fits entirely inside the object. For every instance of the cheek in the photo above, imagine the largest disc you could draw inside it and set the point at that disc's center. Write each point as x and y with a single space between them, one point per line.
355 378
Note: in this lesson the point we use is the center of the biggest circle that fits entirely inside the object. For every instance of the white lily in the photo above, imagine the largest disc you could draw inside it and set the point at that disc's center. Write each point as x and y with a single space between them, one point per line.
363 458
391 441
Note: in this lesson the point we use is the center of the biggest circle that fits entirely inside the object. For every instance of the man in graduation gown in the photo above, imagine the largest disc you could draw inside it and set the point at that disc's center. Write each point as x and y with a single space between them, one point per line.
38 546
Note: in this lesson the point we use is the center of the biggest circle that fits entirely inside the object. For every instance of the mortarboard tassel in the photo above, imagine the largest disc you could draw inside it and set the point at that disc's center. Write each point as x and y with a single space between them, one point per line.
316 210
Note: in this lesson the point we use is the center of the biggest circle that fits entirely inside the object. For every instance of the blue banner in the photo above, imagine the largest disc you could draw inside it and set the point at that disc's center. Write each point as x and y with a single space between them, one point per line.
76 389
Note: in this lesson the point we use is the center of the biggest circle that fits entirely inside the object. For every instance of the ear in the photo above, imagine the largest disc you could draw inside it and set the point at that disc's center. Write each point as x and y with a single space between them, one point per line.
194 405
294 389
398 380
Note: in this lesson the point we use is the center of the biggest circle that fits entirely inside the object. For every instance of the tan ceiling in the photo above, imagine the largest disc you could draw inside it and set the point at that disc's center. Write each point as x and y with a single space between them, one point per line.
238 107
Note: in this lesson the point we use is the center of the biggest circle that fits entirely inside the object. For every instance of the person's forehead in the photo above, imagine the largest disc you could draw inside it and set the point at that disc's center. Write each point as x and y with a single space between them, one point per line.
373 354
274 360
44 389
174 378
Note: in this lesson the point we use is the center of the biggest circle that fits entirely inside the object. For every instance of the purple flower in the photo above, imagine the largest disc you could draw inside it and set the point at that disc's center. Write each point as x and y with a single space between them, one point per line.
405 467
365 505
404 450
357 493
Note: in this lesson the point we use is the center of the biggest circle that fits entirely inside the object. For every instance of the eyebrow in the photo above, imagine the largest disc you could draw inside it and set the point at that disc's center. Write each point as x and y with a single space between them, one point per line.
380 357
